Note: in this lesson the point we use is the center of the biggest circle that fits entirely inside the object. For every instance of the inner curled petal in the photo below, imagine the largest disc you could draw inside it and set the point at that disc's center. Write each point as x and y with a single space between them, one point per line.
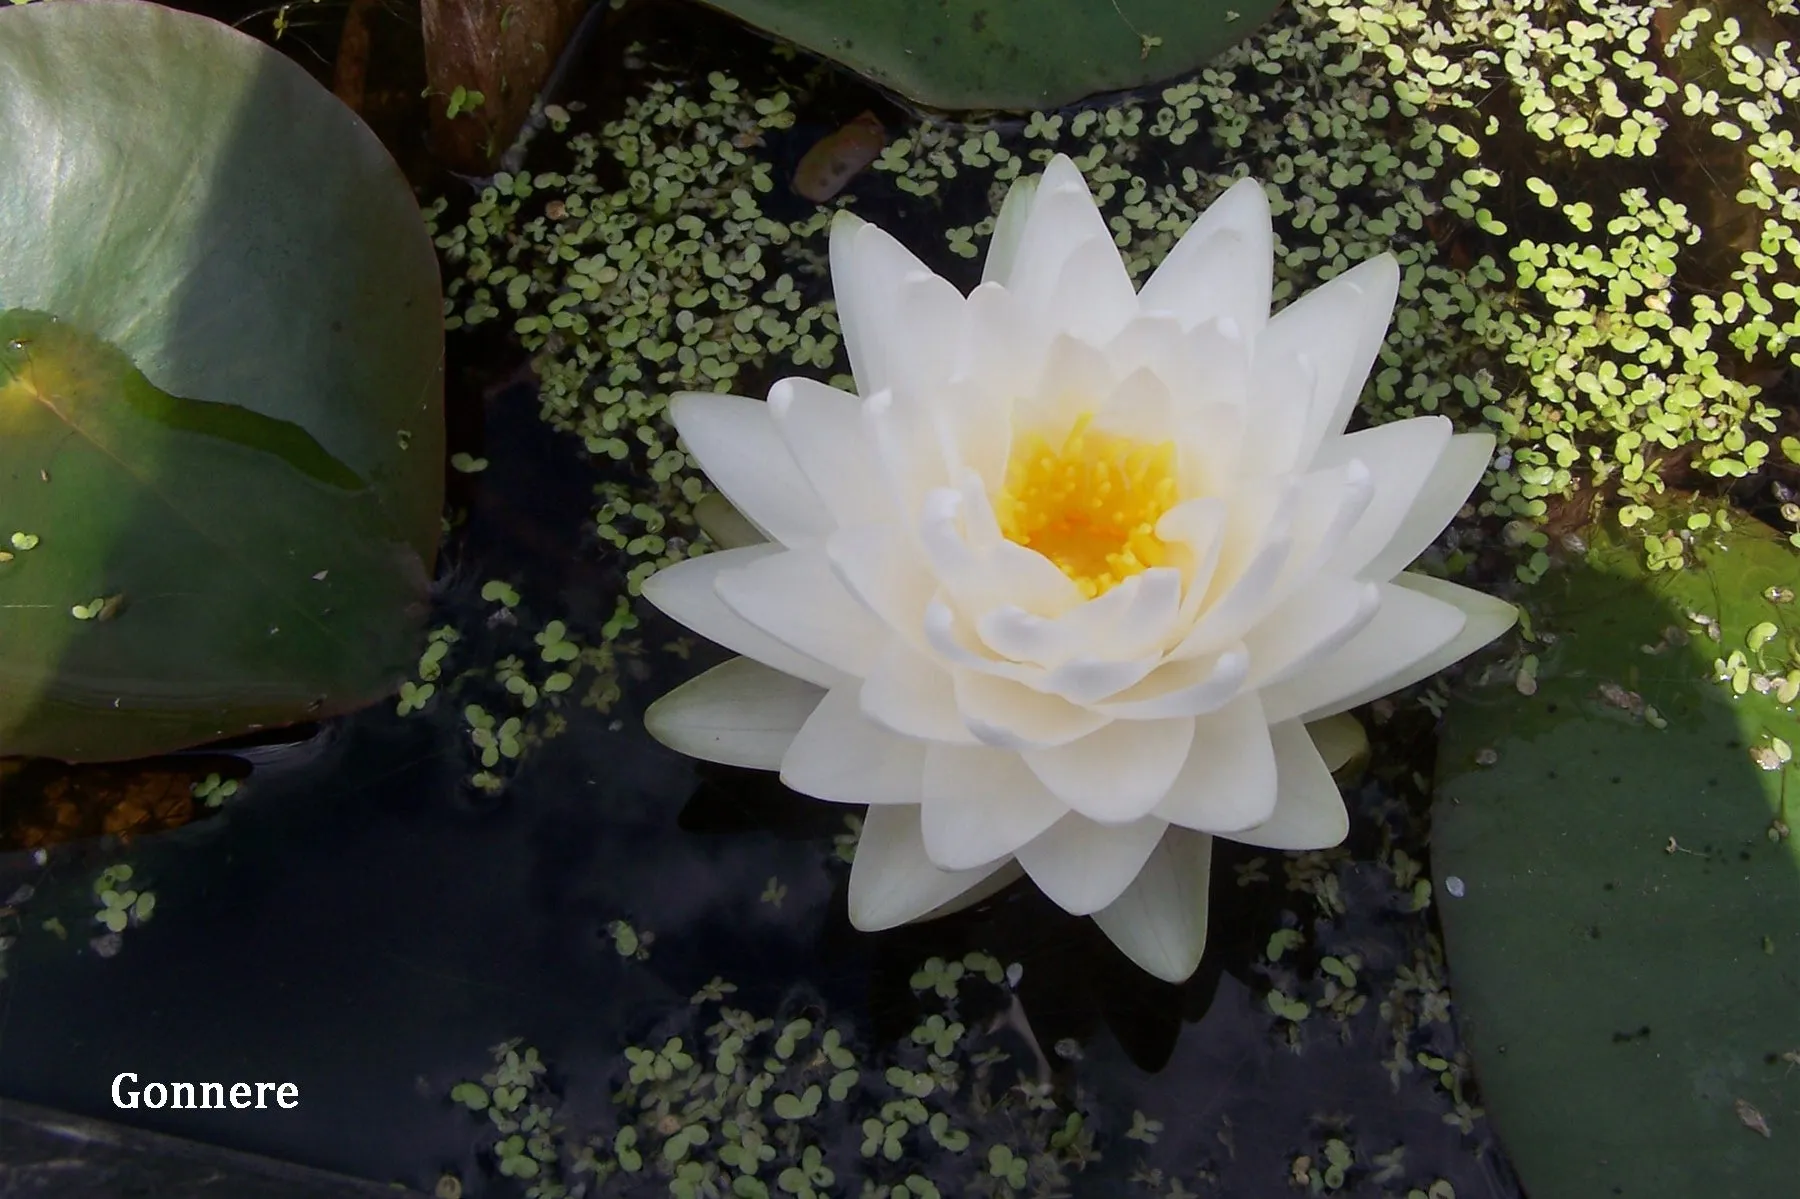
1090 503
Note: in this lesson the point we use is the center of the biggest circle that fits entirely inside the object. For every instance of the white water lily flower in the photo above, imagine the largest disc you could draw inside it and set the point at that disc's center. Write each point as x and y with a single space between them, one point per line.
1061 587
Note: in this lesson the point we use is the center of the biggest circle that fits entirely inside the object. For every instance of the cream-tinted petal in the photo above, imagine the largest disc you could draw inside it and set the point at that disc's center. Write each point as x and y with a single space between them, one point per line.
1083 866
1118 773
842 756
1408 629
1458 471
1307 626
1159 922
688 592
1399 457
892 881
1093 297
911 694
1485 618
736 443
1139 406
1009 228
1074 378
740 713
1009 715
1228 781
825 432
1309 811
1222 266
981 805
883 567
1188 687
1127 621
867 268
797 598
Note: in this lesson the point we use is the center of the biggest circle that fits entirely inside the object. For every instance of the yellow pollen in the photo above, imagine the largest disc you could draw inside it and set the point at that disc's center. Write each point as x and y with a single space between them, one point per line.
1091 504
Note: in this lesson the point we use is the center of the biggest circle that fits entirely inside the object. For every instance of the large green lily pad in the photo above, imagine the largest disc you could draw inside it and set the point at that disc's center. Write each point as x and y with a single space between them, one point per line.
1621 903
1010 54
240 389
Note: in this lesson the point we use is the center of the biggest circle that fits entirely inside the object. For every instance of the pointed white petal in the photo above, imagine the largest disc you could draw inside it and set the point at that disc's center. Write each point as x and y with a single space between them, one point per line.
1309 811
867 268
824 430
1160 920
1063 226
910 694
1228 781
1010 715
1118 773
1093 298
740 713
1309 625
1075 377
980 404
892 881
1485 618
1189 687
1400 457
1338 739
1009 228
842 756
1408 628
980 805
1223 264
927 327
797 598
883 568
1083 866
1339 326
1131 619
688 592
735 441
1458 471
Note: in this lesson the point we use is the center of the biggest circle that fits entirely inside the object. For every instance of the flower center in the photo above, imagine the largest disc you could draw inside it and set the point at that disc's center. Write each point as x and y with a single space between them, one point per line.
1090 504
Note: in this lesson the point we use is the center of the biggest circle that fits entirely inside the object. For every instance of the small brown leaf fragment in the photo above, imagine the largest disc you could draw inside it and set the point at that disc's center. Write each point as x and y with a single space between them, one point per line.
1751 1118
827 168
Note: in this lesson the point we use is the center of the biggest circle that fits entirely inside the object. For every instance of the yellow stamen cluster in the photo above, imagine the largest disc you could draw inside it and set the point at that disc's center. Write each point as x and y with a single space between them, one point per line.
1091 504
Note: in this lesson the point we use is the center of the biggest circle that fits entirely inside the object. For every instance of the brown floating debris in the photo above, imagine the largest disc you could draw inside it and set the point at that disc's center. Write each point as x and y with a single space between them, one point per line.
836 158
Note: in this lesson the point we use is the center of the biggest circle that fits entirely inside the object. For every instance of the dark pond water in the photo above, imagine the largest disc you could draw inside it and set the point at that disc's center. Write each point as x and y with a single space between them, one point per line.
363 923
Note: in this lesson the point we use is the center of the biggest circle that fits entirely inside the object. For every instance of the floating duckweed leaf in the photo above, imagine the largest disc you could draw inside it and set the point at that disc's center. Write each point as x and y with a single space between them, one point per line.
24 541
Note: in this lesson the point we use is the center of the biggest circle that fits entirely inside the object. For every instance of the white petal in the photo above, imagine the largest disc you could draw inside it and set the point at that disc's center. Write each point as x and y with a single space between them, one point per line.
1232 609
824 430
1083 866
1310 624
1010 715
867 269
1400 457
1074 378
1096 680
1008 874
928 328
1129 620
736 443
1009 227
796 597
908 693
740 713
1094 298
980 805
1309 811
1196 528
1118 773
1063 227
842 756
1228 781
1408 628
892 881
1485 619
1458 471
1339 327
1222 266
687 592
1338 739
1160 920
982 578
1189 687
883 567
907 445
979 401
